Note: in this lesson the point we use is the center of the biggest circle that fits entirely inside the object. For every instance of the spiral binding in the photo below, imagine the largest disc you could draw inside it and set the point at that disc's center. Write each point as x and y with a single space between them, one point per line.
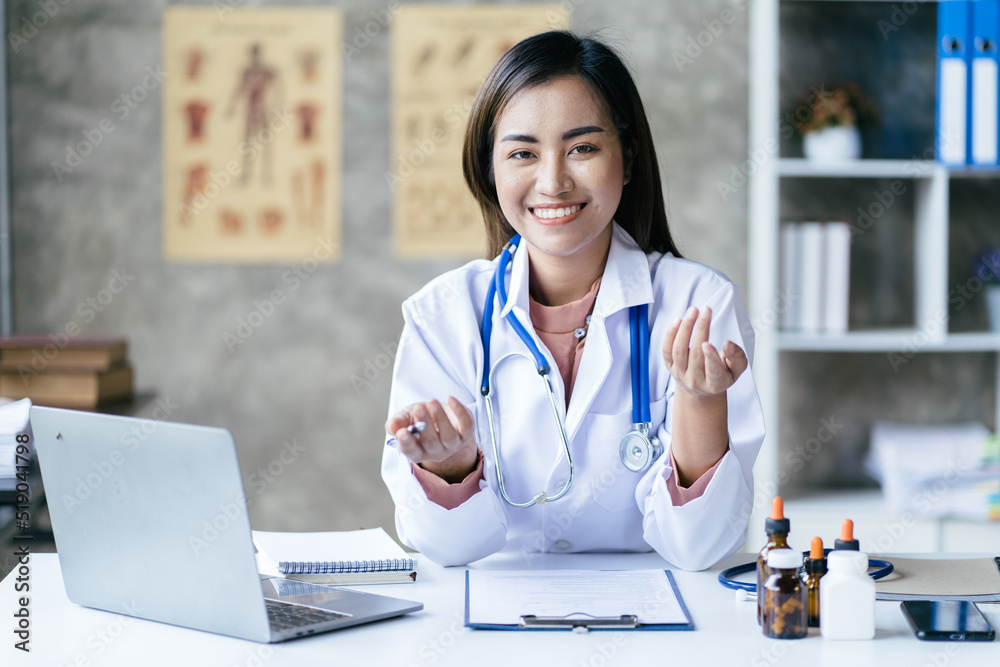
346 566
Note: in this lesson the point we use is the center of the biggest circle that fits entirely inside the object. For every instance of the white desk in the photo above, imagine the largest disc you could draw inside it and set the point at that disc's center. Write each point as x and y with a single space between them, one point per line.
726 632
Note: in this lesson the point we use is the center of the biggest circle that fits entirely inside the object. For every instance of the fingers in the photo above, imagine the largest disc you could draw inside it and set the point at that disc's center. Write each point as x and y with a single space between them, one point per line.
668 343
736 359
716 371
450 427
699 334
694 362
683 338
401 419
461 418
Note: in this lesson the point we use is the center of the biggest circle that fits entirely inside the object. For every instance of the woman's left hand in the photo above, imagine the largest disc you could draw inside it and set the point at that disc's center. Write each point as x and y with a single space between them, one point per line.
694 362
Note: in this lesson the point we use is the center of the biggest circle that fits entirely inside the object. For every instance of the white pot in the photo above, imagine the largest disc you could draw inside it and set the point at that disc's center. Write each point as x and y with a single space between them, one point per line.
833 144
993 307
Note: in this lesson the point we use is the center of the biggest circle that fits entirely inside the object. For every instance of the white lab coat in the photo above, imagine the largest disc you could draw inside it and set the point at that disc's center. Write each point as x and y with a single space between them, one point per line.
608 508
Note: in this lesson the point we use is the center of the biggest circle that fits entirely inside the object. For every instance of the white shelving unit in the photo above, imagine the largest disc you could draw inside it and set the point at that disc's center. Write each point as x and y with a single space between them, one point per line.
929 332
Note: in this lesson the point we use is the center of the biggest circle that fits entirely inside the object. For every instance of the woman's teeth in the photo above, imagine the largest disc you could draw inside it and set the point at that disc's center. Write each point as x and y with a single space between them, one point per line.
549 213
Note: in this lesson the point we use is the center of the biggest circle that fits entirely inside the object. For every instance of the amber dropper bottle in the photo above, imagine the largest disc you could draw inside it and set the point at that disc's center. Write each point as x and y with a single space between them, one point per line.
815 567
777 528
846 540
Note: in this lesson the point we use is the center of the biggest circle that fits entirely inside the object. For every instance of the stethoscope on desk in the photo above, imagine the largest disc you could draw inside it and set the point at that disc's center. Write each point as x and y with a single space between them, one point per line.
638 448
726 577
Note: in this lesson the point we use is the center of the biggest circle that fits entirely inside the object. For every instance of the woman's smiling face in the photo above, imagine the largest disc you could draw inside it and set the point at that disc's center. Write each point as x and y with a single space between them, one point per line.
559 167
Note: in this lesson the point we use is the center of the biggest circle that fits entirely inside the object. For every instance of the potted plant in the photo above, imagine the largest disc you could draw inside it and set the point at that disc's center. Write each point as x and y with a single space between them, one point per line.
987 269
828 120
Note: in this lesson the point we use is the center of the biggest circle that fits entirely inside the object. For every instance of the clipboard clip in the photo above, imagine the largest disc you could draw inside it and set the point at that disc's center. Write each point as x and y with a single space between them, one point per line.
579 622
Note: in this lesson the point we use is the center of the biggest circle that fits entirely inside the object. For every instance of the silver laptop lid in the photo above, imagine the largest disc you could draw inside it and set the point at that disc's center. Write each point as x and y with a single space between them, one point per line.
150 520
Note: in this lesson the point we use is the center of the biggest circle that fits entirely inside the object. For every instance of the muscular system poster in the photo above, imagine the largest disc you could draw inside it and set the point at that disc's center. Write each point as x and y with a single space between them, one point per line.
251 134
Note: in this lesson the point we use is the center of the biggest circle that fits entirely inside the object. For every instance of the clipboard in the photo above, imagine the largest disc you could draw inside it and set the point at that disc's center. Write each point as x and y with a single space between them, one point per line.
579 621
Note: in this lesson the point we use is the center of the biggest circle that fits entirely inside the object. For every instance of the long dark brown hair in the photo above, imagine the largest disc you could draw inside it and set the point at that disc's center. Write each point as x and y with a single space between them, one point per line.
548 56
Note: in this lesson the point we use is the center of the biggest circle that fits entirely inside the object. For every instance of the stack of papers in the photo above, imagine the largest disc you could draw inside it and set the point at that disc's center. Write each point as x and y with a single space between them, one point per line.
937 470
14 419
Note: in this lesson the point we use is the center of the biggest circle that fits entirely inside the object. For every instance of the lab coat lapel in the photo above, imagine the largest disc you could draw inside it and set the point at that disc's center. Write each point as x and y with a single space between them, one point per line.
517 289
626 282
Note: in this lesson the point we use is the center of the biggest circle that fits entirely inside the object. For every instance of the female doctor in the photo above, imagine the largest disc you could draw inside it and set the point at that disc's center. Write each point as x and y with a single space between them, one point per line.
604 402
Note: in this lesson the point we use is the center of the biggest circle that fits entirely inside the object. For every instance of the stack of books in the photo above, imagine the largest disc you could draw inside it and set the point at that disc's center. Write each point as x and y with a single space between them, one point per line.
79 373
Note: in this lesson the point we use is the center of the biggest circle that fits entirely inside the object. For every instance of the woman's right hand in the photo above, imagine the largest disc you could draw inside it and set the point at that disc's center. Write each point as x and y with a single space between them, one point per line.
447 446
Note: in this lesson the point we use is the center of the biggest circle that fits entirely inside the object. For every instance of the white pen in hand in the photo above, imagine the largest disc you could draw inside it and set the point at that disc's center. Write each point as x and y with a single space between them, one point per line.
415 429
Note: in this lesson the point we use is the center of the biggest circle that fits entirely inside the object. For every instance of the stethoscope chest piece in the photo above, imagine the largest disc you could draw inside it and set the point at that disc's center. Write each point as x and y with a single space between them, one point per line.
639 449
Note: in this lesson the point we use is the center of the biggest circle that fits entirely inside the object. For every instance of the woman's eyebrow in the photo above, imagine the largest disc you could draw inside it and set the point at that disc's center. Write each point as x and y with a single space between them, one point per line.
571 134
580 131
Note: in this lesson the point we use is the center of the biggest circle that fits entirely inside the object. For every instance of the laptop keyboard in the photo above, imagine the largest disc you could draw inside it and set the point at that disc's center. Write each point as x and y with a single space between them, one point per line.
284 616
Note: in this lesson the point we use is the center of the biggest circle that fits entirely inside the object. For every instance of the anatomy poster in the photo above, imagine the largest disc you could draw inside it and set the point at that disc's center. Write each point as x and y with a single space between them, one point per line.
440 56
251 134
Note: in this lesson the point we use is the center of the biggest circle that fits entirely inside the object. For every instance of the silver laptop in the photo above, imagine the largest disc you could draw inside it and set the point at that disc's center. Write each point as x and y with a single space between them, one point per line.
150 520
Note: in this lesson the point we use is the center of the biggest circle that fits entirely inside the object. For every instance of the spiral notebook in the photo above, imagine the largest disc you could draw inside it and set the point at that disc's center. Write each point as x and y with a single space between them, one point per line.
334 557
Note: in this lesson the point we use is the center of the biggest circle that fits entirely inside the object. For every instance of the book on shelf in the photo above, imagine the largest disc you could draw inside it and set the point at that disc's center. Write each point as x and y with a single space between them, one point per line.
53 354
78 390
815 275
334 557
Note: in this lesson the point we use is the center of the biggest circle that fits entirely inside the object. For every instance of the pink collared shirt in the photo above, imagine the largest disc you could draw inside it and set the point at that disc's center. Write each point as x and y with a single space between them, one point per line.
556 326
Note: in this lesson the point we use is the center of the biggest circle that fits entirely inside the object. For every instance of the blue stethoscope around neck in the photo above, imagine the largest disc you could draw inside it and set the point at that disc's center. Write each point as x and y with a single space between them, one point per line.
638 448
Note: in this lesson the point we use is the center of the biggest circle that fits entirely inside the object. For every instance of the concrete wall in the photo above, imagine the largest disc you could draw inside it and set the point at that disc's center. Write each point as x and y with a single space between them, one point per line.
290 382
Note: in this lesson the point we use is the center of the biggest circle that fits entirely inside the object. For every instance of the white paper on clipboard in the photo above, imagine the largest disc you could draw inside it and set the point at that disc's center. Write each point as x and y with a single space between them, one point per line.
503 597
